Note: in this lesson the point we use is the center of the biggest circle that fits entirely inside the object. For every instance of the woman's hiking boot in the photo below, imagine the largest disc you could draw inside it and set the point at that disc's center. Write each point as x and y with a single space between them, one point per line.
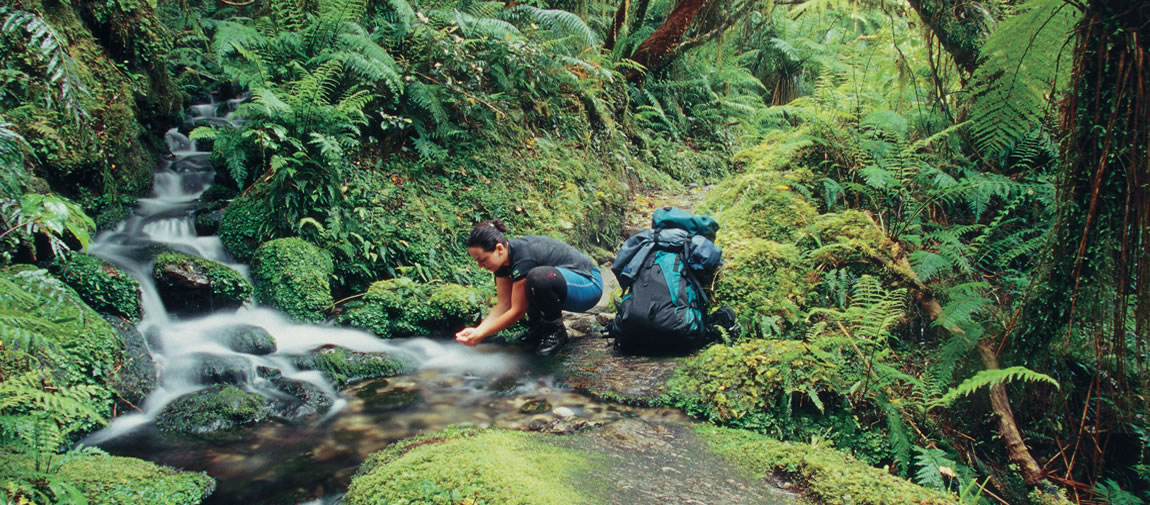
553 339
536 329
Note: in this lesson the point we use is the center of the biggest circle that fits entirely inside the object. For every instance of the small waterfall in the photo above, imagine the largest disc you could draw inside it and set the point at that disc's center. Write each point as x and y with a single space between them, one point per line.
180 346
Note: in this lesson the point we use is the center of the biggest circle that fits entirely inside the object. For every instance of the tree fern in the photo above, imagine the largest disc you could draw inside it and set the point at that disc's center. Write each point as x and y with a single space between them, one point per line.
964 303
1023 64
12 149
988 378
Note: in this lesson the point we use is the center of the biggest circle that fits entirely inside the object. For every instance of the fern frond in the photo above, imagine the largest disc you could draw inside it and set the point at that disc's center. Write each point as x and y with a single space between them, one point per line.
475 28
560 23
988 378
49 46
371 61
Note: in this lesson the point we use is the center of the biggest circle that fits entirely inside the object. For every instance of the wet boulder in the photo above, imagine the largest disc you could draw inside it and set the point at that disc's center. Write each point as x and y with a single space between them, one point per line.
343 366
247 339
135 375
299 399
207 221
217 408
192 285
207 368
292 275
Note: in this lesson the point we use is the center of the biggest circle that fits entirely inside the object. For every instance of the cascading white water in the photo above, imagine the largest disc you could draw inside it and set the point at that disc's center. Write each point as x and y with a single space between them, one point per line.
180 345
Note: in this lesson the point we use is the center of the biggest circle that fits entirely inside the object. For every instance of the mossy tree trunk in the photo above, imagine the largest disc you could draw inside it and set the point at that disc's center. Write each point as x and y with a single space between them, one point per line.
1096 291
652 53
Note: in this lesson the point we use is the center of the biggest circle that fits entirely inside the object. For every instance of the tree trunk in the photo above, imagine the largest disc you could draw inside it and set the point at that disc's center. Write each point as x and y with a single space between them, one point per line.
653 51
617 26
1015 448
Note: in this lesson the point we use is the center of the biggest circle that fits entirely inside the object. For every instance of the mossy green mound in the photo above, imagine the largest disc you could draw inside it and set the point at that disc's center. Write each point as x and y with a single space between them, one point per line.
488 467
292 275
104 287
246 224
112 480
827 475
755 378
403 308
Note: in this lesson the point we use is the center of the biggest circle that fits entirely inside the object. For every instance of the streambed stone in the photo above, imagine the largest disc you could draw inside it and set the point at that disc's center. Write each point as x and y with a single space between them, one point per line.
210 368
303 399
135 376
248 339
216 408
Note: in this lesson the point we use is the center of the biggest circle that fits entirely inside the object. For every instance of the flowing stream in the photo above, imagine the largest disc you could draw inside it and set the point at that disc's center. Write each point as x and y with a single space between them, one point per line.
279 462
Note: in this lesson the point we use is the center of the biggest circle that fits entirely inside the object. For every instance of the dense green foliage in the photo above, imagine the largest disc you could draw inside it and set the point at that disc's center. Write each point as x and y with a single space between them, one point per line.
292 275
402 307
919 264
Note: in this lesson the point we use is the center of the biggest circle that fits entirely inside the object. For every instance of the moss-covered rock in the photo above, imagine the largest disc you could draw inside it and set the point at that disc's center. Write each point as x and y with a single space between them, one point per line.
189 284
827 475
343 366
207 221
751 382
481 467
216 408
103 286
402 307
114 480
246 223
292 275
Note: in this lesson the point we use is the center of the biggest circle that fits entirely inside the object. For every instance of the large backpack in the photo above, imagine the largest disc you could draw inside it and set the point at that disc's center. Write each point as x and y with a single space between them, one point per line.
662 271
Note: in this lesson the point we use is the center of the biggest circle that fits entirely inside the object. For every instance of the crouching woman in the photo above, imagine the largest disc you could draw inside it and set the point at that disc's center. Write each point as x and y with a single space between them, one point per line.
536 276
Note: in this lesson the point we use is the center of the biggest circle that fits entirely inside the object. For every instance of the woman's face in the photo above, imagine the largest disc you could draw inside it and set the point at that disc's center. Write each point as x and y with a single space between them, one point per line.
490 260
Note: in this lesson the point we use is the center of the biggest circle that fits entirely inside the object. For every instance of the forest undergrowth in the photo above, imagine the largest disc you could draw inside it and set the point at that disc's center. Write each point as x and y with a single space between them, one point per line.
933 211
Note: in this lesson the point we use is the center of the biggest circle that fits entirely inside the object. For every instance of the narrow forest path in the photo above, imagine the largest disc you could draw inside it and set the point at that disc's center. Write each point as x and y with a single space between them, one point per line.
649 462
589 364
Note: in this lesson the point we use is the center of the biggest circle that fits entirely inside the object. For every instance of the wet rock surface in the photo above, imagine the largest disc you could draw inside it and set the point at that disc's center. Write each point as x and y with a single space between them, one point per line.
247 339
644 462
135 377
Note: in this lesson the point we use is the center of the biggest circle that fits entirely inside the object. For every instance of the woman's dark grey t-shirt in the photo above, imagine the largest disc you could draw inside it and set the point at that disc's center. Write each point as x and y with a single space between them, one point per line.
530 251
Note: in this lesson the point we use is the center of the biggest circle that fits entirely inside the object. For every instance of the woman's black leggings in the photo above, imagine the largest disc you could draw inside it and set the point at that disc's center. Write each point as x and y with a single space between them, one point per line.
546 292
